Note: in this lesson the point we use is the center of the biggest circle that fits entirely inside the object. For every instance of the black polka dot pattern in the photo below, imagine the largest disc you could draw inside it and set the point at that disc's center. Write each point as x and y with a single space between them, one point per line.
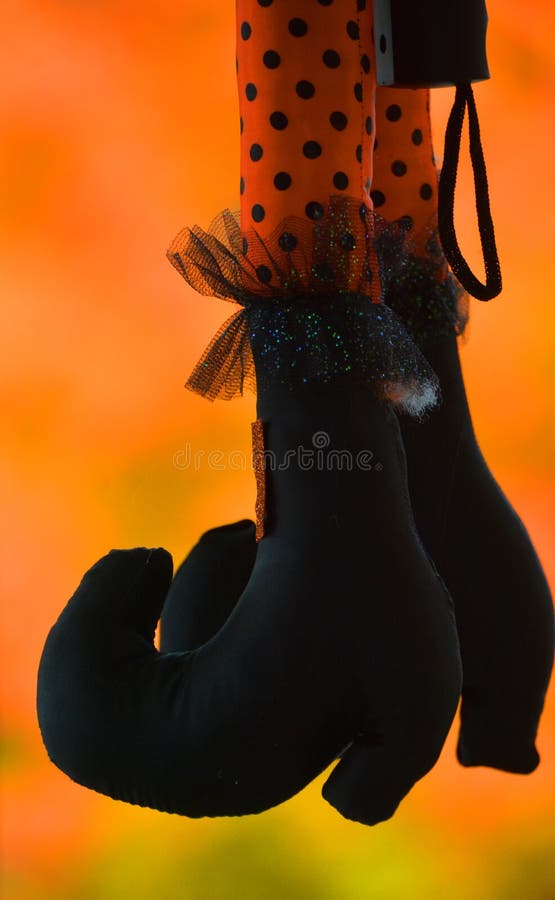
291 148
393 112
312 149
305 171
271 59
298 27
288 242
314 210
331 59
404 179
305 90
264 274
258 212
279 120
340 181
399 168
282 181
338 120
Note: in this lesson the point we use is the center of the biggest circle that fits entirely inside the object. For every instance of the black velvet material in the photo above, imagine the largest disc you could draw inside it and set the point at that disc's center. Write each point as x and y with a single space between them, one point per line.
502 601
343 640
430 43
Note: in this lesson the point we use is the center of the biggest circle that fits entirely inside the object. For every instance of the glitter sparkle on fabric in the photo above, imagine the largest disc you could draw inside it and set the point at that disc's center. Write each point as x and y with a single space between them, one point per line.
344 297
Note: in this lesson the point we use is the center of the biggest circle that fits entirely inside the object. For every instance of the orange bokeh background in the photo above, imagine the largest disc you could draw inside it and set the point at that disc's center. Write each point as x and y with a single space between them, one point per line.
119 126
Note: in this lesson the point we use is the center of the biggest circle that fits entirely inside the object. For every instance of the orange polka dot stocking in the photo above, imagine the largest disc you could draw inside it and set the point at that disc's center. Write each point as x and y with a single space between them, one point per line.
306 91
405 174
306 85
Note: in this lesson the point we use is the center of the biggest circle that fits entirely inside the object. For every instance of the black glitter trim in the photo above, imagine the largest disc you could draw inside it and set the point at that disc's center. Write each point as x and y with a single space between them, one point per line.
311 307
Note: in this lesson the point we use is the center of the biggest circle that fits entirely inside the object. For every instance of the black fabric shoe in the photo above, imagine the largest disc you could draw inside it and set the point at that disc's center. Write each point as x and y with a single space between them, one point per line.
342 641
502 601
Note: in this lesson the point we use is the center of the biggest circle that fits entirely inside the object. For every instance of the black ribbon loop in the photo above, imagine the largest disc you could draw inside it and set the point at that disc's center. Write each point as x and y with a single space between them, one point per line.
464 99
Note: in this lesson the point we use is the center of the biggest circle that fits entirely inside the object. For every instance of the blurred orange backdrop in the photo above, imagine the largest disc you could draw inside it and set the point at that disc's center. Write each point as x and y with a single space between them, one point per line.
119 126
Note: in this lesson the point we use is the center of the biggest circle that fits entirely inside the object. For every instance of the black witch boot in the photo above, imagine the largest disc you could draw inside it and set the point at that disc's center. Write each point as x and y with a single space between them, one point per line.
502 601
337 643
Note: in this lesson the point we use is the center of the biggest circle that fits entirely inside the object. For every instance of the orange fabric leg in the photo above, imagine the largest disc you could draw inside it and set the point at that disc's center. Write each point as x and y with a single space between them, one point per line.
306 93
405 173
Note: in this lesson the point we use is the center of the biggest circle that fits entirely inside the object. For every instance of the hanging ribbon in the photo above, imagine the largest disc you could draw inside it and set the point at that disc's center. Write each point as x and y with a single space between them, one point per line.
464 99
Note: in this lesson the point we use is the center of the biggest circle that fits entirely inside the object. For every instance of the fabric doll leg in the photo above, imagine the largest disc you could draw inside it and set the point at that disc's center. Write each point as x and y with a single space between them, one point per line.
416 280
405 175
306 93
502 600
337 644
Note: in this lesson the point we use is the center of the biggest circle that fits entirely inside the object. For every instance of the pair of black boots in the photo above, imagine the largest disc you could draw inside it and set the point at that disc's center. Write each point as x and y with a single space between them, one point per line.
333 638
